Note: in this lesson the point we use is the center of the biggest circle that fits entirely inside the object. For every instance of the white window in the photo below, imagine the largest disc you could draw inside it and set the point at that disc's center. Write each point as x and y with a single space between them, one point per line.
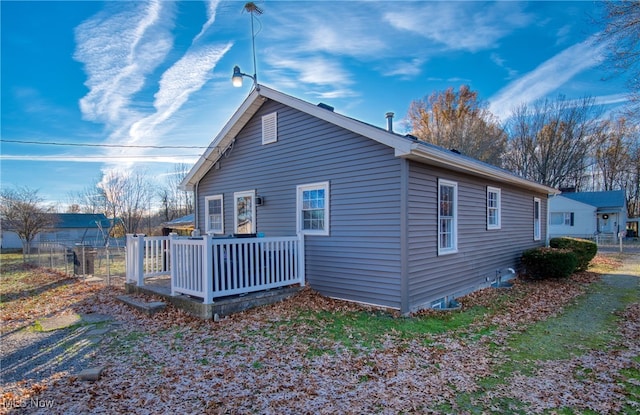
270 128
214 214
494 209
312 208
561 218
447 217
537 230
244 212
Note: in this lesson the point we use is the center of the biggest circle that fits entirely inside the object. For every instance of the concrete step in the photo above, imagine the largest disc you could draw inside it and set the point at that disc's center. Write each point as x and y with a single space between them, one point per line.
148 307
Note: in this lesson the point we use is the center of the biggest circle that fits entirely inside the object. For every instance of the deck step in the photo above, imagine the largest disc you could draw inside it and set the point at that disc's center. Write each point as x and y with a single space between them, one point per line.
148 307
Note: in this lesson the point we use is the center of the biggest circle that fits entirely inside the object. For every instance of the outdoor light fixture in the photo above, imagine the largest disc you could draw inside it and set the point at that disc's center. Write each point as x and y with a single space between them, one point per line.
236 79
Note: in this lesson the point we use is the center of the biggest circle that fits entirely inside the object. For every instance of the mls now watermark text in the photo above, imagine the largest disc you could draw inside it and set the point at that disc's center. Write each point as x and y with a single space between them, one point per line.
28 403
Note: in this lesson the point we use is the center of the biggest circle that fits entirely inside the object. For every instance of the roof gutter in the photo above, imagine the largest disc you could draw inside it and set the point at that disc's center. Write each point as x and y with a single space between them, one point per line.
449 160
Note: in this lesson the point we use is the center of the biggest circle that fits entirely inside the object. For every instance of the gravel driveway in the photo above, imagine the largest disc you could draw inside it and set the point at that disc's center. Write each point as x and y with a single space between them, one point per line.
65 345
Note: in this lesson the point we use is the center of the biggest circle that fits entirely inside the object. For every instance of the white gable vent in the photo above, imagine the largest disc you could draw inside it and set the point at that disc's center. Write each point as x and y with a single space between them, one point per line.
270 128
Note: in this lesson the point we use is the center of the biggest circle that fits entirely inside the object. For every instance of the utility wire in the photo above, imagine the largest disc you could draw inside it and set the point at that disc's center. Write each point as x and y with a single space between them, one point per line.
51 143
125 156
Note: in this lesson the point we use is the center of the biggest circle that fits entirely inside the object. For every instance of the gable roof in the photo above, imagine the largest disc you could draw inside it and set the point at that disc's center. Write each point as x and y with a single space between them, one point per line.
79 220
184 222
601 200
404 146
554 201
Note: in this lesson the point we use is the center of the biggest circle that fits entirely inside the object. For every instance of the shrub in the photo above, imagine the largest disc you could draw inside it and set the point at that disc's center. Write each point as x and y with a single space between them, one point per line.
584 250
543 263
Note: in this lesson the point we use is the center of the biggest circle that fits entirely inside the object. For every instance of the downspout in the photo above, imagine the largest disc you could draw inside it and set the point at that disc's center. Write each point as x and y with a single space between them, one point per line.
195 207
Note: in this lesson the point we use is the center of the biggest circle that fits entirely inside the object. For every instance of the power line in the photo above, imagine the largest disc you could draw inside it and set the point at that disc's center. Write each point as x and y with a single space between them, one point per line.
124 156
52 143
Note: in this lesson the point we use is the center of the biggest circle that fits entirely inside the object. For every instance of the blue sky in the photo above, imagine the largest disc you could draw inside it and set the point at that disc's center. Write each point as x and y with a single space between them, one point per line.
153 74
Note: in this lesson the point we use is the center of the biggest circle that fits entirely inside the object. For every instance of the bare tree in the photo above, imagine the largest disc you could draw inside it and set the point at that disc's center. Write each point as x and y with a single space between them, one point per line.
127 197
622 37
175 202
633 184
552 142
74 208
458 120
613 158
23 212
90 199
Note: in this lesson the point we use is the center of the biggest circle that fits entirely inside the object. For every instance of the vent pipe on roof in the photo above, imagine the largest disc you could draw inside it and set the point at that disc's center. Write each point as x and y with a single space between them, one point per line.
389 116
325 106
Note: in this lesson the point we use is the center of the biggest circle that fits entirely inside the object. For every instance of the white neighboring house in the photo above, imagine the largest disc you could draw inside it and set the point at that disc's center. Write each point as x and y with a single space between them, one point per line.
9 240
568 217
587 214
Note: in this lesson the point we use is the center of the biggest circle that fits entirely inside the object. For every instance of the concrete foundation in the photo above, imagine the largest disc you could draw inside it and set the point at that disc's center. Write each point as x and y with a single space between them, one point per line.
222 306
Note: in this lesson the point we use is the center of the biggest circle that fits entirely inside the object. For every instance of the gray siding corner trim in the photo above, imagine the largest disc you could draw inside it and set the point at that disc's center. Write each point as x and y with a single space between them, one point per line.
404 238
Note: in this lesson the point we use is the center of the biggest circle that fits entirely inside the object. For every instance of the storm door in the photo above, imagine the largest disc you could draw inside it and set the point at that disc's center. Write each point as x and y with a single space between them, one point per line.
244 212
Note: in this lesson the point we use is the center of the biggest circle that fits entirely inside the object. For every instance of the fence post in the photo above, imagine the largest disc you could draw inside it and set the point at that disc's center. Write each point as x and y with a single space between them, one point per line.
207 270
620 236
108 265
301 260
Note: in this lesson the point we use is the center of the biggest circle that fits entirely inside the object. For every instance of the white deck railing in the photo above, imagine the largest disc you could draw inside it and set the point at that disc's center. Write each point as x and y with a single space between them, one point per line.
209 267
147 256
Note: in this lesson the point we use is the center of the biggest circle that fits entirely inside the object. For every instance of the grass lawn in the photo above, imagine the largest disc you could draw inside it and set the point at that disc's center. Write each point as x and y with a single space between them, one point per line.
569 347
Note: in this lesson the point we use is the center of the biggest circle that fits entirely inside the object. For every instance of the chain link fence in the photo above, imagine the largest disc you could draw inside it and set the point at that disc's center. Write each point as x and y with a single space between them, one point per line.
105 263
109 265
623 245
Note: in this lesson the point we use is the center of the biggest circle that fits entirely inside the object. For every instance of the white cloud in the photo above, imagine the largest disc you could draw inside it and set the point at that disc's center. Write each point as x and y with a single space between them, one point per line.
313 44
470 26
118 52
186 76
350 28
121 50
103 158
612 99
315 71
405 68
212 6
547 77
335 93
342 39
500 62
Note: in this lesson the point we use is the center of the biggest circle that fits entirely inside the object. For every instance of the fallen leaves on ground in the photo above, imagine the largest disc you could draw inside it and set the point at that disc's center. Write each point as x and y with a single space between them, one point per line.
42 293
269 360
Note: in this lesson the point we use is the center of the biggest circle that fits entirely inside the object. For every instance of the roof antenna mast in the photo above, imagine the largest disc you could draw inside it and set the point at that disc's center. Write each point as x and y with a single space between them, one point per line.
252 8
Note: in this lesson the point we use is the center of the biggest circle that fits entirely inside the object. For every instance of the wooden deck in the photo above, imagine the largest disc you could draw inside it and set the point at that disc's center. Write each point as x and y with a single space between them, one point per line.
214 268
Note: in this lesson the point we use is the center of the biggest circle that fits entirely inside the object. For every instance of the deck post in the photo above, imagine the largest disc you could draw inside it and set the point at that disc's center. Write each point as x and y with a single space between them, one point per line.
140 259
207 270
175 263
301 260
129 258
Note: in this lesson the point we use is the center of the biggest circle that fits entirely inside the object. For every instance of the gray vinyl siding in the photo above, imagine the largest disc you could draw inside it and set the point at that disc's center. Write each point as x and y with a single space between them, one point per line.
481 252
360 259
